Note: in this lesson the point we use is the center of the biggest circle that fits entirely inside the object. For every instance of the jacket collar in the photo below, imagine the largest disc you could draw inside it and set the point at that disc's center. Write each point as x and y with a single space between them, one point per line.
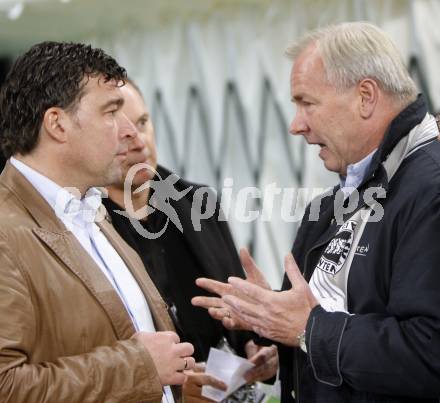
52 232
399 127
31 199
214 232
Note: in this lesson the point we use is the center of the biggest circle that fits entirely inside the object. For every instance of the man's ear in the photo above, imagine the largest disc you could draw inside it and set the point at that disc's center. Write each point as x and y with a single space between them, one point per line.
56 123
368 94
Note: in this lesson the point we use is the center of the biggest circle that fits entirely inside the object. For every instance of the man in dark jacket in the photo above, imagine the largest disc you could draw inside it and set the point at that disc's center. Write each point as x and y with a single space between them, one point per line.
361 323
174 226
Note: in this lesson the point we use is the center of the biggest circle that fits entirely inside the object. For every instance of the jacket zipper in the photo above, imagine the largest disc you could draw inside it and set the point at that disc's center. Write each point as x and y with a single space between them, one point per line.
295 352
327 240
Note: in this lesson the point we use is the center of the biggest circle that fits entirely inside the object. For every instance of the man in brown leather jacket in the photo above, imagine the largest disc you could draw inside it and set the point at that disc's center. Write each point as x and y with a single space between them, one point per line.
80 320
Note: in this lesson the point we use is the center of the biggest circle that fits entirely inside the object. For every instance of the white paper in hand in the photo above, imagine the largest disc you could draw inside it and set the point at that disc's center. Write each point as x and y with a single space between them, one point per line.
227 367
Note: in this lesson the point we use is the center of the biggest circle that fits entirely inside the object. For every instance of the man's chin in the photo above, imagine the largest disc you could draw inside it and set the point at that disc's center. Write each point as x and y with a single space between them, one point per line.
115 179
143 176
134 182
138 180
332 166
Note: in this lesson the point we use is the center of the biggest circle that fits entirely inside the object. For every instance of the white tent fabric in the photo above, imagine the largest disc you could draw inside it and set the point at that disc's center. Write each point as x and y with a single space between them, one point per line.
224 94
217 83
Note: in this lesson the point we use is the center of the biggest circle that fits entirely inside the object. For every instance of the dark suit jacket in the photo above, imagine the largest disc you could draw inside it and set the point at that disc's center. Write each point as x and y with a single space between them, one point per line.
176 259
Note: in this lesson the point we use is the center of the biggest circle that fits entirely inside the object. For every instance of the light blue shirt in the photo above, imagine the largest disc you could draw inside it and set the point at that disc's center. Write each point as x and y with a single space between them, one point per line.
355 174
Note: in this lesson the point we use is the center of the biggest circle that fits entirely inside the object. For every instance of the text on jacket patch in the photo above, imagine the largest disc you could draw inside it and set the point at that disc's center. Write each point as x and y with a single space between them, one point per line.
337 250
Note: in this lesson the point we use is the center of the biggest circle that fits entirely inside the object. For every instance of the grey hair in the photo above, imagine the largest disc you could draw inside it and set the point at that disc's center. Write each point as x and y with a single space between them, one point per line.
352 51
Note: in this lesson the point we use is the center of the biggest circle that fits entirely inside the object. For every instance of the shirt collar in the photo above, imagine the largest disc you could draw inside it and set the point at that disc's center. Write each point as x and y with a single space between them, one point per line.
66 202
356 172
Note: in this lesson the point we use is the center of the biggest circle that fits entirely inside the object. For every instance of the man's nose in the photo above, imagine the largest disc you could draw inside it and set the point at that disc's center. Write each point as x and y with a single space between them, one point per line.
126 127
298 125
137 143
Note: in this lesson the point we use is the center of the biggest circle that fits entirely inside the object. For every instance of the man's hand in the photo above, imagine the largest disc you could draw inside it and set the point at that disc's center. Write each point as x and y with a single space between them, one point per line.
279 316
265 360
192 388
170 357
216 306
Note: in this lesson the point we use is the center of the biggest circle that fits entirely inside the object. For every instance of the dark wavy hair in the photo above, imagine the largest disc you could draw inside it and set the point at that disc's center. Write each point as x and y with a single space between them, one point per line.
49 74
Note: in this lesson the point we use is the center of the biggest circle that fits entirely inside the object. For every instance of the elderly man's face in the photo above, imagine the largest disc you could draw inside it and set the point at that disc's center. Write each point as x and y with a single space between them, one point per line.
324 116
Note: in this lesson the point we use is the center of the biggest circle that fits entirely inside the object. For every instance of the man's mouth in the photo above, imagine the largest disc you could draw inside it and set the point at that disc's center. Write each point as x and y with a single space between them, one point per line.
122 154
317 144
138 159
322 150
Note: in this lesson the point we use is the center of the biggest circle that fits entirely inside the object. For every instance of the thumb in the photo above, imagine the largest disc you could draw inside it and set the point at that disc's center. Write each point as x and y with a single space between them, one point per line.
199 367
292 270
258 359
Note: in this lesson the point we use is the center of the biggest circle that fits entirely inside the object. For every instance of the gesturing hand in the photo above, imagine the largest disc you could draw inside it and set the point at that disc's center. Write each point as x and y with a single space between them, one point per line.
216 306
279 316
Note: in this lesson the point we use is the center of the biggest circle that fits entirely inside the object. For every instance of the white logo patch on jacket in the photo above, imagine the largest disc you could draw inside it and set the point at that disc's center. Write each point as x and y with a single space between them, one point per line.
337 250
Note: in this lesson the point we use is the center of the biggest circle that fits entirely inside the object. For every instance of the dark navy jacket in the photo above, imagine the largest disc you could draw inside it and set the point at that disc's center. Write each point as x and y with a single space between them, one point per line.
389 349
175 259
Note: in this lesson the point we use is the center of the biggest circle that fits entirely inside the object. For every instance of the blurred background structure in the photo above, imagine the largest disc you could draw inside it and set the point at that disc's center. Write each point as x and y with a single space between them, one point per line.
217 85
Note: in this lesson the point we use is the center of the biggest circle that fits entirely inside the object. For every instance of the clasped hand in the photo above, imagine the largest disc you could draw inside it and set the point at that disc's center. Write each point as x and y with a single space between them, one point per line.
266 365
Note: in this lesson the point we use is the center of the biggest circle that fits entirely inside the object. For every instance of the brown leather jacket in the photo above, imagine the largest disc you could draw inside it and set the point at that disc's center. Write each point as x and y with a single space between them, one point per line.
64 332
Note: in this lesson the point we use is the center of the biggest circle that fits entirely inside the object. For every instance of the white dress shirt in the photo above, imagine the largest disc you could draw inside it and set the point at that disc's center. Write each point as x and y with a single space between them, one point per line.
78 215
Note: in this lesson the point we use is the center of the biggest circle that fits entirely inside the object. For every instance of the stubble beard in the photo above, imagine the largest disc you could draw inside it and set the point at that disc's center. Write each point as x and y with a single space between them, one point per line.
113 175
